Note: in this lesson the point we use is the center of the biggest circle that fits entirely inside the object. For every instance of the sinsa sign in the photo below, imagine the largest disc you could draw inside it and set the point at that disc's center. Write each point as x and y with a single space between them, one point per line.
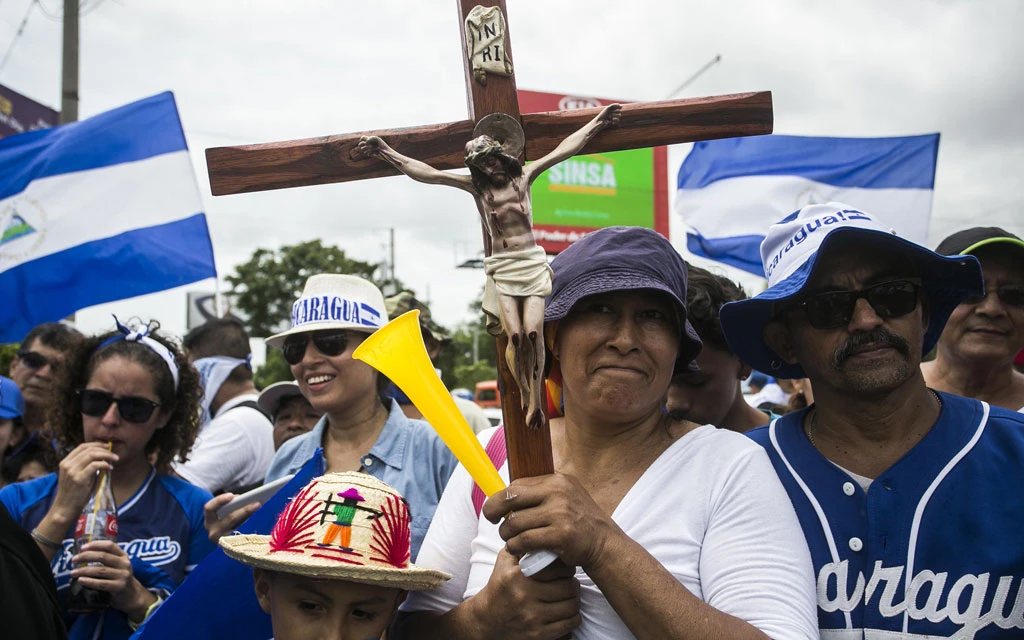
589 192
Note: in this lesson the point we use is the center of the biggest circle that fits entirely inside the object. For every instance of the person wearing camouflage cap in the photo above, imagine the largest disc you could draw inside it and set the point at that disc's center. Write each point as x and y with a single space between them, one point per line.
405 302
434 339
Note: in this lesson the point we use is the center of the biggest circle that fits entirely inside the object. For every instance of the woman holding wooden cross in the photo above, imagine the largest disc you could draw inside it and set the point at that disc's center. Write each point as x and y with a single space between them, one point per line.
672 530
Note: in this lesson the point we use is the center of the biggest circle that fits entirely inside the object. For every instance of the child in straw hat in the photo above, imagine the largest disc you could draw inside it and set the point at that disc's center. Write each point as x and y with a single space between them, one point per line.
337 559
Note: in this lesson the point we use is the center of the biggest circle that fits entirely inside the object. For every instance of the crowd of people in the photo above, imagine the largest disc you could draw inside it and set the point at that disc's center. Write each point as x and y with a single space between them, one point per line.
864 486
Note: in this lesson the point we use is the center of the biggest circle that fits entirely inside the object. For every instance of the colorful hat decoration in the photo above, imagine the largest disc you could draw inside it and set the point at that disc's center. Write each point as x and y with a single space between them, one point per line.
343 526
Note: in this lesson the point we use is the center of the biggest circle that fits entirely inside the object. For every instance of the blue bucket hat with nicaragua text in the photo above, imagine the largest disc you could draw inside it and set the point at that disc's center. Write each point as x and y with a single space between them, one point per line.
789 253
622 259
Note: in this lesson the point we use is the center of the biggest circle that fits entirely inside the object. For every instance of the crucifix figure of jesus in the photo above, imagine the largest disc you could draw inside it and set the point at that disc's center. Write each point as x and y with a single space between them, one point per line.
518 275
488 65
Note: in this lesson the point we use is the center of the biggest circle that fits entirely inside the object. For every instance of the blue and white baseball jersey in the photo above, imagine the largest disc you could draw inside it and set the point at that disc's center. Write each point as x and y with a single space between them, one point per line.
934 548
160 528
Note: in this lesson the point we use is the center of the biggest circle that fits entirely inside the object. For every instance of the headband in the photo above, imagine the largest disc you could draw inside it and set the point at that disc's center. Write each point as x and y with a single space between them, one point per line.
142 336
213 371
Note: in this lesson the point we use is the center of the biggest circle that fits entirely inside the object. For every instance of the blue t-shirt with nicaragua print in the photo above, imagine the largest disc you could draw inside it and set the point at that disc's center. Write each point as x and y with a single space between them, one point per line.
160 528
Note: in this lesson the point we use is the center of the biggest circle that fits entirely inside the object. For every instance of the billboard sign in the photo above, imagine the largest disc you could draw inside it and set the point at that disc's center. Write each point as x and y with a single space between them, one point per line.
202 307
19 114
589 192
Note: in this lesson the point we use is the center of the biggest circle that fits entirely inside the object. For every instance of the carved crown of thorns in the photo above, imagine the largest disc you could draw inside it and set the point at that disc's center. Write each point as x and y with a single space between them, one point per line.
481 147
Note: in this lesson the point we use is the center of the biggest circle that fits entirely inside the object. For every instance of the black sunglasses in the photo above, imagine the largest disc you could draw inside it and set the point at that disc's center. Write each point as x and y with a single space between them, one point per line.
833 309
330 343
1012 295
33 359
132 408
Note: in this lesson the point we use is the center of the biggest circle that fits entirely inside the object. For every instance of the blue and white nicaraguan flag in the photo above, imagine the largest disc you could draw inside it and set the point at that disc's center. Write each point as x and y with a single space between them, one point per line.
731 191
99 210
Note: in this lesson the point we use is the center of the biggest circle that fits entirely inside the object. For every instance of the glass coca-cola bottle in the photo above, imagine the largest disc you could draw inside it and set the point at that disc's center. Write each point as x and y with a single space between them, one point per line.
98 521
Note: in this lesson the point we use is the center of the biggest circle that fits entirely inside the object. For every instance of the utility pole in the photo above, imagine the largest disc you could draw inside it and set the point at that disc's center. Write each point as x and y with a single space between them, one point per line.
69 75
69 65
392 259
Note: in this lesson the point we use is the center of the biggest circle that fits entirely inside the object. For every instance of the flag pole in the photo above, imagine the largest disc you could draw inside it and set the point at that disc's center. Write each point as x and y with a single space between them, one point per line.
218 298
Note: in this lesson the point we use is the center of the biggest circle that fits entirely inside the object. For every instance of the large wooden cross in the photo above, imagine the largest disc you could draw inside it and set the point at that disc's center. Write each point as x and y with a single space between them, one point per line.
299 163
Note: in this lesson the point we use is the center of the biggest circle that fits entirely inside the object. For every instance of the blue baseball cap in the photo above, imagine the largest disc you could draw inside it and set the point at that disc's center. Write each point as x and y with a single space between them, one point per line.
12 403
789 253
623 259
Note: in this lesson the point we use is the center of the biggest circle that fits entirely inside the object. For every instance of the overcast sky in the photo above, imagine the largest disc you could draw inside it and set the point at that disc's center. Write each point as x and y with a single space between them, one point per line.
259 71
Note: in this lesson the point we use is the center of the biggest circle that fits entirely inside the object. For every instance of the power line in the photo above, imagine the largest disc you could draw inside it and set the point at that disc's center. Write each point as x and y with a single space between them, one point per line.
689 81
21 29
88 6
56 16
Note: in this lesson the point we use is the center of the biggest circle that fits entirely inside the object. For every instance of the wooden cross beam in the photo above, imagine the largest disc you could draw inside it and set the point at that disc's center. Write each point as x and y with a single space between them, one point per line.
300 163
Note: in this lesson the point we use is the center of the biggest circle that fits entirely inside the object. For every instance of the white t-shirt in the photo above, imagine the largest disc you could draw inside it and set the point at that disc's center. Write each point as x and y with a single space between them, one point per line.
233 450
710 509
772 393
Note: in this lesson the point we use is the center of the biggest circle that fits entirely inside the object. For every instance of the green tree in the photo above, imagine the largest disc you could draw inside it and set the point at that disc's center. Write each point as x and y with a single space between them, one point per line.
264 287
457 363
275 369
469 374
7 354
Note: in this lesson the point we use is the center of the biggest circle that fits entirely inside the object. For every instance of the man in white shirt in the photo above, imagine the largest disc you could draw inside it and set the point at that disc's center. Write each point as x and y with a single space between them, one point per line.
236 444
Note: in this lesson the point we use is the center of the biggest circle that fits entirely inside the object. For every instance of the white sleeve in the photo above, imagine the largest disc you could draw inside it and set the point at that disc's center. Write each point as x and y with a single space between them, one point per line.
754 563
447 546
228 454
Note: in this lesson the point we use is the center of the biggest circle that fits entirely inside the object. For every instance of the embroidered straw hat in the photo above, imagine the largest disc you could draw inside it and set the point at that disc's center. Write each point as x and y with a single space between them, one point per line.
341 526
335 301
790 252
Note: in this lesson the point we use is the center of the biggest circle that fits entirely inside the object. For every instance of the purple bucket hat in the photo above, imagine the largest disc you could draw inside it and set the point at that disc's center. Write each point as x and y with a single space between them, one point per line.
622 259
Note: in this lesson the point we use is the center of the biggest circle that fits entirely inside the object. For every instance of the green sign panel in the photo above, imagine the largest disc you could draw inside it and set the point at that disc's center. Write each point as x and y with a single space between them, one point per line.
594 191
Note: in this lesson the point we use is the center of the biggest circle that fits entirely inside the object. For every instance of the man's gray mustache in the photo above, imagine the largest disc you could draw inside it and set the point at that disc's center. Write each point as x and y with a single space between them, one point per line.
877 336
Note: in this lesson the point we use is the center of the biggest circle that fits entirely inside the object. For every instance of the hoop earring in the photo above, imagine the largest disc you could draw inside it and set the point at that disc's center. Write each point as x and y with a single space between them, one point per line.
775 364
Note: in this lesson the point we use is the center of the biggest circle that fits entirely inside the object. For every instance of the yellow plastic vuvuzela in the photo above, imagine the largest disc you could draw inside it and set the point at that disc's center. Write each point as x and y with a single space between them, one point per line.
397 351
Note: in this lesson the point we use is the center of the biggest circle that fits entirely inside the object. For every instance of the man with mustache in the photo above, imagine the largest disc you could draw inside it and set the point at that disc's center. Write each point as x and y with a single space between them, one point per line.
901 490
975 356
